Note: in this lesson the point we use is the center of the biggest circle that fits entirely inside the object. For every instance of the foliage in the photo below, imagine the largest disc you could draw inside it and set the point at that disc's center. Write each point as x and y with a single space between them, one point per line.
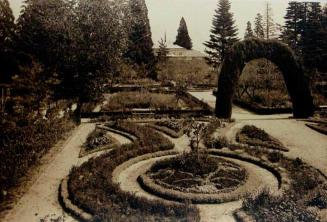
7 34
196 133
133 100
274 51
96 139
212 141
223 34
266 207
110 202
254 136
268 22
183 39
139 39
258 28
176 125
23 143
248 32
163 51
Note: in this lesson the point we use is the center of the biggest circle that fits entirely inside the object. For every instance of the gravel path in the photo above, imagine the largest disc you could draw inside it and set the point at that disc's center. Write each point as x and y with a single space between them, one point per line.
302 142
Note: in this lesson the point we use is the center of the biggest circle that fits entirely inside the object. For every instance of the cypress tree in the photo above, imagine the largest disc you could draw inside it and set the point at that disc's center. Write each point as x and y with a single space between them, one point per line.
140 42
258 27
183 39
248 32
223 34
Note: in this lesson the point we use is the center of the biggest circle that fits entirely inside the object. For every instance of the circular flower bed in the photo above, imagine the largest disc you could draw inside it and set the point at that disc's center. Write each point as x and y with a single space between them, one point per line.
198 174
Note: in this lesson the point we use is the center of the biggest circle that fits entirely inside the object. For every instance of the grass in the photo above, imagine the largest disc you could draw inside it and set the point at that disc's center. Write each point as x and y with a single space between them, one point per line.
141 100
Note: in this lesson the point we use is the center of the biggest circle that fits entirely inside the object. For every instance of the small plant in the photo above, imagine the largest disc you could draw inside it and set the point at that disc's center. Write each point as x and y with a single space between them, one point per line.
196 133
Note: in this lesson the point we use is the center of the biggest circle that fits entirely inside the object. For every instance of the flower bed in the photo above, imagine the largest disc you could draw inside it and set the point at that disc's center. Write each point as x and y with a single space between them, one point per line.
254 136
91 186
173 128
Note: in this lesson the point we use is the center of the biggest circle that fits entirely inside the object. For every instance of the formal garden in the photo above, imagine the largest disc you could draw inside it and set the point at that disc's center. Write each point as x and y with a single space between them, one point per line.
101 123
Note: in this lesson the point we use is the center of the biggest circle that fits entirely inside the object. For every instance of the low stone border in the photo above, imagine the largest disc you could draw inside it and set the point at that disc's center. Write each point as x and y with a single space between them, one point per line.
67 204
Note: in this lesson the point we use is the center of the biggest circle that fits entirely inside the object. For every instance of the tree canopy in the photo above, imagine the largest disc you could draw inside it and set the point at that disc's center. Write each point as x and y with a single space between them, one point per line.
183 39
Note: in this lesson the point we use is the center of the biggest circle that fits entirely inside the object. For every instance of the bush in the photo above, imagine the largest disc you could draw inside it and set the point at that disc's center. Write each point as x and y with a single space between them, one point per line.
211 141
96 139
23 143
254 136
267 208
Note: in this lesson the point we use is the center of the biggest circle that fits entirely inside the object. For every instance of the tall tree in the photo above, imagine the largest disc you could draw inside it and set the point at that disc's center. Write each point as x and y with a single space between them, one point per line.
269 25
312 36
248 32
223 34
163 51
183 39
7 29
140 42
293 26
258 27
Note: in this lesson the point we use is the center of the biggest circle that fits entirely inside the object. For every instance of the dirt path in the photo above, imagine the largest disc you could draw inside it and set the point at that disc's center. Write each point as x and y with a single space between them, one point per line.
42 198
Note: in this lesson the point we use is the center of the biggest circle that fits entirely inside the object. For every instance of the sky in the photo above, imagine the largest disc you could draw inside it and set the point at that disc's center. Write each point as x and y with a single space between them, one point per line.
165 16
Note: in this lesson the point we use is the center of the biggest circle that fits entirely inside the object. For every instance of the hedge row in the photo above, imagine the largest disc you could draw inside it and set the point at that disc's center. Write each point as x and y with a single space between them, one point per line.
23 144
92 188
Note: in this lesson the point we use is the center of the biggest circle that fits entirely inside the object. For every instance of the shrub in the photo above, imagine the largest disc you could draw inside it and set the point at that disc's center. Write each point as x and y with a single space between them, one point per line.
268 208
254 136
23 143
96 139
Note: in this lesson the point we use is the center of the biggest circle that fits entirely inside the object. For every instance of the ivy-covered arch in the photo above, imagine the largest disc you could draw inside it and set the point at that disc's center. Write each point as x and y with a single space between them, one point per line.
278 53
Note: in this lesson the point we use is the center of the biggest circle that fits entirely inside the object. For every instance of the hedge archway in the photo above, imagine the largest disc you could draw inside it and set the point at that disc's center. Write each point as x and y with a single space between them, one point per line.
278 53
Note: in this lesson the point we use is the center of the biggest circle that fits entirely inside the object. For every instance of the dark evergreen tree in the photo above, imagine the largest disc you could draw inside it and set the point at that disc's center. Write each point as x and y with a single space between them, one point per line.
293 26
258 27
248 32
183 39
7 31
312 35
140 42
223 34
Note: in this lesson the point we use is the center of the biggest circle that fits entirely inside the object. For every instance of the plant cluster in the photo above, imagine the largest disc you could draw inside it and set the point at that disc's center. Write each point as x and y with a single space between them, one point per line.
146 100
97 138
254 136
210 140
109 202
23 143
176 125
269 208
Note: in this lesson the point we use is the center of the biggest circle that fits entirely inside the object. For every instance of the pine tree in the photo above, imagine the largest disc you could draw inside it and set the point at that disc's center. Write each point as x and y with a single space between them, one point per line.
163 51
258 28
183 39
223 34
248 32
293 26
269 25
140 42
312 38
7 31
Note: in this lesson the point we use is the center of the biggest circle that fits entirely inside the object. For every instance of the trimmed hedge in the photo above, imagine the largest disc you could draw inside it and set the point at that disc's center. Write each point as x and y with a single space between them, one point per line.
92 188
277 52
